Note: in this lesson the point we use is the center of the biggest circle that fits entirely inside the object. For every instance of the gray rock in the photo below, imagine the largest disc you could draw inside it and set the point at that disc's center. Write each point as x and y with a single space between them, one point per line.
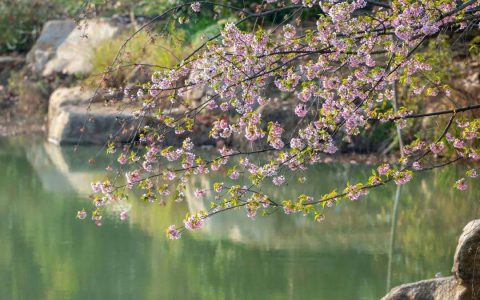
198 92
63 97
6 61
471 82
432 289
53 34
66 48
466 262
465 282
75 116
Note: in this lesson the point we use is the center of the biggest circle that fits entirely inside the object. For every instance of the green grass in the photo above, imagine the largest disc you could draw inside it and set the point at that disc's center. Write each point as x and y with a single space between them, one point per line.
144 48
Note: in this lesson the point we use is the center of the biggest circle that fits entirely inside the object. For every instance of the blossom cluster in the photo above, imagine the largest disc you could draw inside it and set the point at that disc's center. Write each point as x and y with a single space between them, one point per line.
341 74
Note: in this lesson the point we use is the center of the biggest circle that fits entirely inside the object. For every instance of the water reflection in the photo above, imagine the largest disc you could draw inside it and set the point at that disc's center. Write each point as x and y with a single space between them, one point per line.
46 254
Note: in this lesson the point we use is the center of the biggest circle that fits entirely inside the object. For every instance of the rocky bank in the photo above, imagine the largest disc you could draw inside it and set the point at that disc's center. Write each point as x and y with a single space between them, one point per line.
464 284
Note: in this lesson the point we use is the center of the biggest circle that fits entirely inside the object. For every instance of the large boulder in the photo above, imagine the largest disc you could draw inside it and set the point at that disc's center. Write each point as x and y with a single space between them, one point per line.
465 282
64 47
53 34
76 116
466 263
431 289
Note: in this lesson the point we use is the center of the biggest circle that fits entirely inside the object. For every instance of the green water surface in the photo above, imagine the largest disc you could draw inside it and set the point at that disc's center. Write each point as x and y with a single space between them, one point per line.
361 250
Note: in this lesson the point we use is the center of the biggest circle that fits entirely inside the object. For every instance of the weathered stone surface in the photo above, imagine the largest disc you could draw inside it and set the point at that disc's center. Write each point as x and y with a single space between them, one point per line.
67 97
65 48
198 92
75 118
53 34
466 263
465 282
11 60
432 289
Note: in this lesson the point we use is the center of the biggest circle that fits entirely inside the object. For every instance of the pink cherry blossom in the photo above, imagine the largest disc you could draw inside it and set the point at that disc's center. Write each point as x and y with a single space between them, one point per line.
461 184
278 180
383 169
81 214
194 222
123 215
437 148
173 233
195 6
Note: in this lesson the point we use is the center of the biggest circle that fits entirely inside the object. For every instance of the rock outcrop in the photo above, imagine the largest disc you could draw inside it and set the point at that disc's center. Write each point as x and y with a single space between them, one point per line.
465 282
53 34
466 263
64 47
76 116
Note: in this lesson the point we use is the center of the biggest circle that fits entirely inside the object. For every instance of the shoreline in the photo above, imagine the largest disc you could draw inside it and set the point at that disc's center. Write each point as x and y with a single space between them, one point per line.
39 131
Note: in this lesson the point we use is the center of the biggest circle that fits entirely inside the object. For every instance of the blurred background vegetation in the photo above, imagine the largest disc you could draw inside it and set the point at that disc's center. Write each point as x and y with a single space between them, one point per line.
21 20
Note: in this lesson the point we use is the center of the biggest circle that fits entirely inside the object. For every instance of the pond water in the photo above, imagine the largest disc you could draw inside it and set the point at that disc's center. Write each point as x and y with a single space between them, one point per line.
361 250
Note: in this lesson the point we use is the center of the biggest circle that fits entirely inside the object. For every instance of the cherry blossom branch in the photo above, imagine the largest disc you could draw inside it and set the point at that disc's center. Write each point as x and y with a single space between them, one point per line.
370 186
438 113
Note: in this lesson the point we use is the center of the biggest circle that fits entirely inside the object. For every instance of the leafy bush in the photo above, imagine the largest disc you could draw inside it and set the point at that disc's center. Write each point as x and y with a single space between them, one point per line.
31 97
21 20
19 24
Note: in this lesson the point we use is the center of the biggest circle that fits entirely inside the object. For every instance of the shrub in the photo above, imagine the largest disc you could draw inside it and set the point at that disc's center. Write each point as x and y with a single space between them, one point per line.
21 20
